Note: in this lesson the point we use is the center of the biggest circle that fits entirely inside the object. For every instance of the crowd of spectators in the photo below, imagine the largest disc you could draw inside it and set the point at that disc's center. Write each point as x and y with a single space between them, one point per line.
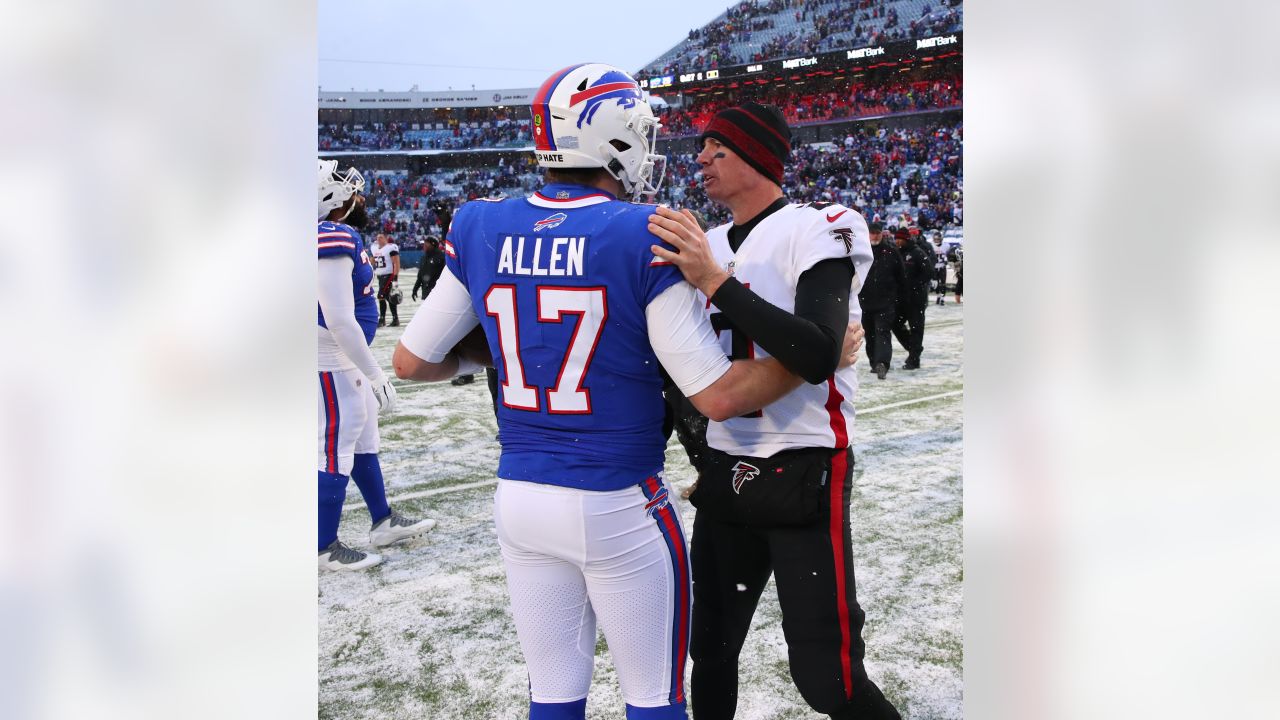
425 129
400 136
409 207
897 176
849 99
754 31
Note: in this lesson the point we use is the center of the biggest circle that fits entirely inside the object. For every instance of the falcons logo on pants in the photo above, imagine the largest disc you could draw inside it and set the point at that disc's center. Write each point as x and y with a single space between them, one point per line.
743 472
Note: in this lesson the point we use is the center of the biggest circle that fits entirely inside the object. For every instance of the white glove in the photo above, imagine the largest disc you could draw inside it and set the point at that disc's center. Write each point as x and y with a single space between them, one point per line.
385 393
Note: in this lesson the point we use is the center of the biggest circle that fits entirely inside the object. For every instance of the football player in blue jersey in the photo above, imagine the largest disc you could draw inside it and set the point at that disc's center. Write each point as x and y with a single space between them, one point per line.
579 317
353 389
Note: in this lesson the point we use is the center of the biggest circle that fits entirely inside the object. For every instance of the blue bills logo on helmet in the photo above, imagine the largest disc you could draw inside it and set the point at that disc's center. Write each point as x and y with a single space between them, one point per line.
611 86
547 223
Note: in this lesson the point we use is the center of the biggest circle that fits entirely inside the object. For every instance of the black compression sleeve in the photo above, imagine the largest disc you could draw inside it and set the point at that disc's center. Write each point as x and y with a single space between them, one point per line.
807 343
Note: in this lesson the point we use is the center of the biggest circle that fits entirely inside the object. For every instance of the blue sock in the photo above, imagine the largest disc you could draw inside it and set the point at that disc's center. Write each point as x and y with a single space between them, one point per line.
662 712
368 476
333 490
575 710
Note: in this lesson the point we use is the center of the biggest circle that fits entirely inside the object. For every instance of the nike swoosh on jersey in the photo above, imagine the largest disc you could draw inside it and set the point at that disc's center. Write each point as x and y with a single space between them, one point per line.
833 218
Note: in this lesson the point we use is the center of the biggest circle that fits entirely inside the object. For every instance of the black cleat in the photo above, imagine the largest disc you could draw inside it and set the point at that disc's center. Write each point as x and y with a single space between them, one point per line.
911 365
463 380
881 370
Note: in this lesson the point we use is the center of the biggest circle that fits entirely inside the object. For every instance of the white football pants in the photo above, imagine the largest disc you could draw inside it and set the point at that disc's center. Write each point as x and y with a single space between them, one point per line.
573 556
348 419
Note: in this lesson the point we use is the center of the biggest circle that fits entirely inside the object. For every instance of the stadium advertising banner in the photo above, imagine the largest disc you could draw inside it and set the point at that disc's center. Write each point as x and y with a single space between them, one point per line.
445 99
838 59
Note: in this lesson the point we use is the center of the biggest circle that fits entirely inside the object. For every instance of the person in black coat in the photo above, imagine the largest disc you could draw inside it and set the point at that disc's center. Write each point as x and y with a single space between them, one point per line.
931 256
885 287
430 267
909 327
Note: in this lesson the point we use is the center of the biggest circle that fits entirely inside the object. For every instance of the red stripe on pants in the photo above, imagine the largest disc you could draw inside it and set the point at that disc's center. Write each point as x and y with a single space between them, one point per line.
682 604
331 423
839 469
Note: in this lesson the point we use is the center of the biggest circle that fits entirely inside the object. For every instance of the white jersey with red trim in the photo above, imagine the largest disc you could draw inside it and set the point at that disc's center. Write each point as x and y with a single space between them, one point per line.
382 254
769 262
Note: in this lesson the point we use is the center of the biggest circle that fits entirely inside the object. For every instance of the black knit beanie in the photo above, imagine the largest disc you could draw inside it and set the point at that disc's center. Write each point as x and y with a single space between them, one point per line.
758 133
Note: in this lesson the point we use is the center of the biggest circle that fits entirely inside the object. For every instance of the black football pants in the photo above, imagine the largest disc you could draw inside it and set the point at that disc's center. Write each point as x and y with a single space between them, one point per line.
909 327
821 620
384 297
878 326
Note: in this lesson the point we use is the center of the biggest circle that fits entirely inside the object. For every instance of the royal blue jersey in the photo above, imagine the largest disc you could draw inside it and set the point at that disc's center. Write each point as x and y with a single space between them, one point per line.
335 240
560 281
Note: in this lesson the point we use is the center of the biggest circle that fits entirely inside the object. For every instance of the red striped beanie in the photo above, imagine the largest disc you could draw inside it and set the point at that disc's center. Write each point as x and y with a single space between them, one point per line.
757 133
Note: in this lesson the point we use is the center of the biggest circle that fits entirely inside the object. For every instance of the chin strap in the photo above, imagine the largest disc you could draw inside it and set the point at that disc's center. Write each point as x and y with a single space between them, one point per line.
348 212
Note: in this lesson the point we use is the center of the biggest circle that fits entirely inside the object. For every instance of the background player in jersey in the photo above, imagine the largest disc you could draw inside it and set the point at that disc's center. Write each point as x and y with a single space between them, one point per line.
578 315
774 497
386 268
939 268
353 389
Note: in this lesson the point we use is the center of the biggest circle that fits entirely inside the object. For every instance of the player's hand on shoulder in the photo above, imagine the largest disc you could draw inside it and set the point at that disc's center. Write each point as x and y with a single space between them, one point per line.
692 255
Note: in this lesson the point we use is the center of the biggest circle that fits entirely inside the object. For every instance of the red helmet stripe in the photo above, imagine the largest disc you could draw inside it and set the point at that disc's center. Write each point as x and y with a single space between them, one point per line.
599 90
542 112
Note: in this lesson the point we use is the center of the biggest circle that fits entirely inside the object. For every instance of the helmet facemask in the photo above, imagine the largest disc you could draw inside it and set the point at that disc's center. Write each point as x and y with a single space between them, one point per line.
640 171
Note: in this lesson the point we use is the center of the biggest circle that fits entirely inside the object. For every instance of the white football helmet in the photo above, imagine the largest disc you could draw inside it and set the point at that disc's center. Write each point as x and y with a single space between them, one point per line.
336 188
596 116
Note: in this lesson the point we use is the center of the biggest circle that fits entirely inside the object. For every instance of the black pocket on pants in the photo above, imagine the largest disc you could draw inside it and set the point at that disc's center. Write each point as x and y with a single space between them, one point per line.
786 489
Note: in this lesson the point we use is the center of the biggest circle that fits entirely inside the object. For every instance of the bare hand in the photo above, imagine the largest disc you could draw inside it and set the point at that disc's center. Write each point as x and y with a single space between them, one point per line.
853 336
693 254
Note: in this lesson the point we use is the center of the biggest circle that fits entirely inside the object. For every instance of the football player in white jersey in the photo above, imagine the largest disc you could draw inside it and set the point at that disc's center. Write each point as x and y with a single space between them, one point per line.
386 271
773 497
353 388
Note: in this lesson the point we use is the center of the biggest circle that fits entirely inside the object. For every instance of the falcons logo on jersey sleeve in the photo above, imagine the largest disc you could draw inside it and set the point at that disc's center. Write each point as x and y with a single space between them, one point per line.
844 235
742 472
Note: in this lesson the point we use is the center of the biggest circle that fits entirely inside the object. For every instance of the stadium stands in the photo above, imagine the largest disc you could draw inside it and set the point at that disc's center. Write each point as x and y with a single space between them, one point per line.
845 100
827 100
754 31
892 168
895 175
422 129
887 174
404 204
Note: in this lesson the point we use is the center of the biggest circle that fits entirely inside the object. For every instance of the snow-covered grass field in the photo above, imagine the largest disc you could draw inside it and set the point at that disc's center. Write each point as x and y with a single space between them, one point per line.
427 635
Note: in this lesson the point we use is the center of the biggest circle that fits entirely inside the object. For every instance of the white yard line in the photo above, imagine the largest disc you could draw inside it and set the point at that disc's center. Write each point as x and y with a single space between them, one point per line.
487 483
429 493
912 401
